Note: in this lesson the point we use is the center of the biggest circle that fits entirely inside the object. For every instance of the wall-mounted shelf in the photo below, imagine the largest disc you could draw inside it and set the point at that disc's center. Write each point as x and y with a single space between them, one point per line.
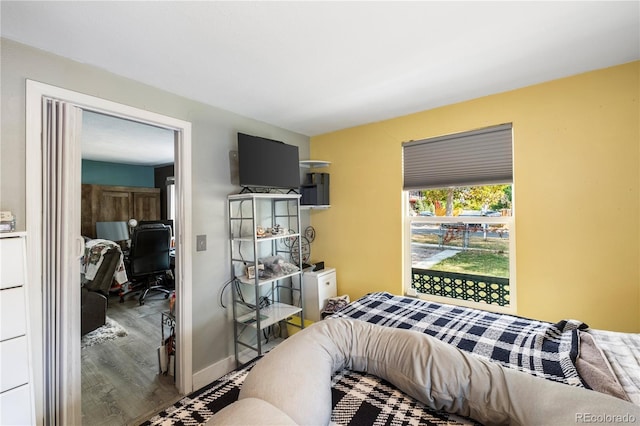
314 207
317 191
309 164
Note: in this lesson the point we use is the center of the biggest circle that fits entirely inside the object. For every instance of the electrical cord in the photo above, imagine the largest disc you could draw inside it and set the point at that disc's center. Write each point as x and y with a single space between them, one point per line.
263 301
224 287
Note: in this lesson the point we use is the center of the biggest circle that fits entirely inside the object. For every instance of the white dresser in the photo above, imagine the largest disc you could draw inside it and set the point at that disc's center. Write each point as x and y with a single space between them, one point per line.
318 287
16 387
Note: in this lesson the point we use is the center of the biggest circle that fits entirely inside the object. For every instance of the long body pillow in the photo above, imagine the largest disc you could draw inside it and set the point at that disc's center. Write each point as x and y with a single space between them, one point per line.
295 378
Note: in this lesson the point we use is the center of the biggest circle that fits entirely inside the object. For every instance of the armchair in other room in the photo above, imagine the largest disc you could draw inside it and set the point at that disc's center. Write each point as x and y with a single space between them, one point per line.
101 265
149 260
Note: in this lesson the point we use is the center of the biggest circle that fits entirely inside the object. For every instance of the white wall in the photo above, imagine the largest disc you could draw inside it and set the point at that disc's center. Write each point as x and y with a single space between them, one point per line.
213 136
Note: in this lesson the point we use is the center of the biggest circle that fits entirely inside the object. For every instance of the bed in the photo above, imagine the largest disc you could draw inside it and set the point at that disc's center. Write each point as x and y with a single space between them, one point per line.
550 351
567 352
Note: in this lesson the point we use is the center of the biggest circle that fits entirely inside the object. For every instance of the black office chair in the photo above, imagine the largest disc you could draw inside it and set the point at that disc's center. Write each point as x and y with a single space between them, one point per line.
148 260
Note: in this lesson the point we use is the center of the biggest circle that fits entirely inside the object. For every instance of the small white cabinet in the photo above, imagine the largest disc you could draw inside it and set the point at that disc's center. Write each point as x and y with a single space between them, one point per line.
16 387
318 286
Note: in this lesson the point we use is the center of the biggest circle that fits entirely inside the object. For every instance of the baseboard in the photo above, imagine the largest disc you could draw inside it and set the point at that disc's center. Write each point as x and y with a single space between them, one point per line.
213 372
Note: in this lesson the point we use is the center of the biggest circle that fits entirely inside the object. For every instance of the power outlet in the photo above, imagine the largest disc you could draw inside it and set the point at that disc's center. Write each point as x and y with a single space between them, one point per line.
201 242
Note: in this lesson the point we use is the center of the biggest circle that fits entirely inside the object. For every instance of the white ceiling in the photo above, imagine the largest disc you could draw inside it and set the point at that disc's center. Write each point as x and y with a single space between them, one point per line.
115 140
316 67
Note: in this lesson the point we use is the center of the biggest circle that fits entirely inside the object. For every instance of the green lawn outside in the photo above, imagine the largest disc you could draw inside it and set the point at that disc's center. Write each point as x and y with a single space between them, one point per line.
476 262
478 255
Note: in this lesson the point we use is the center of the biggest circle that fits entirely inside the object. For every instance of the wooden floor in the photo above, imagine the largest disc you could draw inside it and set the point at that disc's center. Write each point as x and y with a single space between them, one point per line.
120 380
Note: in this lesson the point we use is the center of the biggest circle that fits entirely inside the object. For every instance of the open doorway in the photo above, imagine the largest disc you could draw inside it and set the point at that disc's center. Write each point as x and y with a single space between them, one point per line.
128 293
57 372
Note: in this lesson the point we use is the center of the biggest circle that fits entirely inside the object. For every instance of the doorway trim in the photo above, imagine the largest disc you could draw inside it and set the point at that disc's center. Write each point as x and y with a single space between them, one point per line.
71 372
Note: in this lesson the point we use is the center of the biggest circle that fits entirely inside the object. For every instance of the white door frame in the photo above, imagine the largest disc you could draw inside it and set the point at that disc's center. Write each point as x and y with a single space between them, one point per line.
35 92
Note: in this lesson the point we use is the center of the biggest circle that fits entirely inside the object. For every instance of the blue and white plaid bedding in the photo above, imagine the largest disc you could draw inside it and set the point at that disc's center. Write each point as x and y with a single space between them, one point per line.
622 350
539 348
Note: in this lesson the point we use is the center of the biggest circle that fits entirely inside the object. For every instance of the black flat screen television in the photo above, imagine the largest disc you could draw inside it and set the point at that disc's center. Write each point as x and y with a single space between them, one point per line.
266 163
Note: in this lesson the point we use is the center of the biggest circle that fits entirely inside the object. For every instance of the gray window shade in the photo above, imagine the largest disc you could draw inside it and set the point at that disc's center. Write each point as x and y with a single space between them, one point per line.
478 157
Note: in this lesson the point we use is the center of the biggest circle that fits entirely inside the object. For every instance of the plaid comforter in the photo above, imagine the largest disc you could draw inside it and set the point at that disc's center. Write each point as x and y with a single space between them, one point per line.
535 347
539 348
622 350
357 399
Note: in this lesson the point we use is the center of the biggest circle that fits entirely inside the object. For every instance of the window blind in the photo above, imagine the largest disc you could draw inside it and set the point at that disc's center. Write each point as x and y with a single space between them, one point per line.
478 157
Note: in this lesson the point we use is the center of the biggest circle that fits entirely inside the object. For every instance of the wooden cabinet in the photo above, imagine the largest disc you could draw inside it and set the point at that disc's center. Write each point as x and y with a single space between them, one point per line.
112 205
146 205
102 203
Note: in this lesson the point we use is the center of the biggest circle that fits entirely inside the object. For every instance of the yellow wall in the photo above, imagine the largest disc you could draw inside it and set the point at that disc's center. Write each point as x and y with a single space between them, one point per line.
577 195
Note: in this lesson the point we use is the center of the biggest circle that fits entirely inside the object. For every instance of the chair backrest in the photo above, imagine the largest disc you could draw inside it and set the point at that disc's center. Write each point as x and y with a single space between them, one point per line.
104 276
150 247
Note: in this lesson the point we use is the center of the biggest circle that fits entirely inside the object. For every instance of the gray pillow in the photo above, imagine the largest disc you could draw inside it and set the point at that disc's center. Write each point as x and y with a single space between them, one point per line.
295 377
250 411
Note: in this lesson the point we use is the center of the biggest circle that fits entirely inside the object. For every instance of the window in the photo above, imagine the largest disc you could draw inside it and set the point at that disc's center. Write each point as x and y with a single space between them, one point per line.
459 224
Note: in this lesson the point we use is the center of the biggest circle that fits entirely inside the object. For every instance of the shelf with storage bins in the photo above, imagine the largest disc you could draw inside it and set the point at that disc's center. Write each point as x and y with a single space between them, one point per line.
264 237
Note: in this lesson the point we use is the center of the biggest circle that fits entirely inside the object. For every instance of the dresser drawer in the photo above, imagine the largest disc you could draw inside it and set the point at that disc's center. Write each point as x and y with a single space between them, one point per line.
14 363
14 319
11 262
15 406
